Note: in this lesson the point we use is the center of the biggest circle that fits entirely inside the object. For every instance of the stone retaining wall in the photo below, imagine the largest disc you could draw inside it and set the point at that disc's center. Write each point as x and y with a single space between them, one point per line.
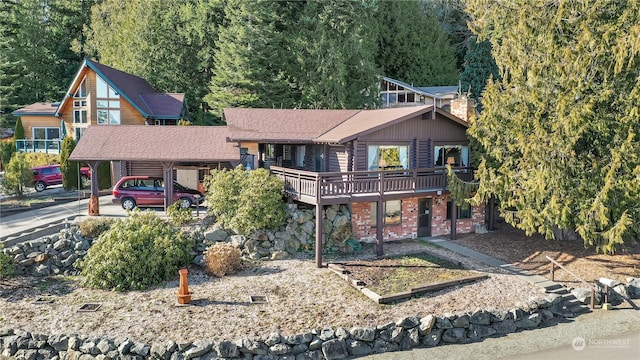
328 343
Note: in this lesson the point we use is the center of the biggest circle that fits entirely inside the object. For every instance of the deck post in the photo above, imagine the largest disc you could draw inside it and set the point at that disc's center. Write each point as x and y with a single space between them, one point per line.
379 220
167 174
318 235
454 220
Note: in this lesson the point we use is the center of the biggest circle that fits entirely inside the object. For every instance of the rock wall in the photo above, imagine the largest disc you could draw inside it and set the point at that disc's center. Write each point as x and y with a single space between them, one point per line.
298 234
49 255
327 343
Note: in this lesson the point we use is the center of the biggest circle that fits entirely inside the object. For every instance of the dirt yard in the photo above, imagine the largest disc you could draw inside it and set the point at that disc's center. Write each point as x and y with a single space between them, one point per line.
529 252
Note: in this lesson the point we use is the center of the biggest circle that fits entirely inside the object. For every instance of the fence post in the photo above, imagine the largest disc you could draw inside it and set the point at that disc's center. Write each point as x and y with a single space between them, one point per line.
553 268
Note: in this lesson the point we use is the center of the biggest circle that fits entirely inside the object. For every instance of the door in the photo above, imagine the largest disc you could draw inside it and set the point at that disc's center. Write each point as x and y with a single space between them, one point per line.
424 217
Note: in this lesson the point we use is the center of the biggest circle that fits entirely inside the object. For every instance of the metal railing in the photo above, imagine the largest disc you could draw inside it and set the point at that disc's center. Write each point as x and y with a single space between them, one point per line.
327 184
554 263
43 146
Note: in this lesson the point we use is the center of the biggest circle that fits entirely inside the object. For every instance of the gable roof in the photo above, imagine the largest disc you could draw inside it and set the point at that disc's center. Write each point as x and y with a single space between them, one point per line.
282 125
37 109
135 90
155 143
367 121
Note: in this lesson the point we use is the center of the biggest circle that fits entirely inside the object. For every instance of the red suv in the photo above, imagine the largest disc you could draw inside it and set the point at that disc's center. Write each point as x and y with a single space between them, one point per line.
132 191
46 175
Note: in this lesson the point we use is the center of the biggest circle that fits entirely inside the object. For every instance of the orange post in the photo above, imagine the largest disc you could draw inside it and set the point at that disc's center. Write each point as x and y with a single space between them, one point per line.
183 294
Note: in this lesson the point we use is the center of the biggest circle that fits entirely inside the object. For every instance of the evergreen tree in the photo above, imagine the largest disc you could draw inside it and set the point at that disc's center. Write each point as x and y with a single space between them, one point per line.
19 131
70 169
413 46
560 128
250 63
479 66
453 19
168 43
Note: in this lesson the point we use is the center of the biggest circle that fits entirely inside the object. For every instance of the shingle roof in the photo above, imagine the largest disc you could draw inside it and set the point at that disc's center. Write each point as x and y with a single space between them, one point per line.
42 109
136 91
367 121
282 125
155 143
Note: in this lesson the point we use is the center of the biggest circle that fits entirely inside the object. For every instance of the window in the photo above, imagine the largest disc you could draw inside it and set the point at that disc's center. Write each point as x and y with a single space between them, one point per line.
388 157
455 155
80 116
81 92
300 152
79 103
107 104
463 212
79 132
392 213
42 133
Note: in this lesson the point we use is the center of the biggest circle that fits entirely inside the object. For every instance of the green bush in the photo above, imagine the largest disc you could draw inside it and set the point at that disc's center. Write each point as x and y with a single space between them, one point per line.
179 215
17 175
222 259
136 253
94 227
68 168
37 159
6 267
19 130
246 200
7 149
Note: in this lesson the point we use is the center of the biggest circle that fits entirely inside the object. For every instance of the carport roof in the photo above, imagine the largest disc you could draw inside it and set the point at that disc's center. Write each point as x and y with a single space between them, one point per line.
155 143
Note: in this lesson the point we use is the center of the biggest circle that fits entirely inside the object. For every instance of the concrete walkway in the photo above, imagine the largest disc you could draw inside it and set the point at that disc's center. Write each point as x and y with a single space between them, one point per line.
491 261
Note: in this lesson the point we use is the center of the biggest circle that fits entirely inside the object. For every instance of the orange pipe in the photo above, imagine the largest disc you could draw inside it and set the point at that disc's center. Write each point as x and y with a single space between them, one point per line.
183 294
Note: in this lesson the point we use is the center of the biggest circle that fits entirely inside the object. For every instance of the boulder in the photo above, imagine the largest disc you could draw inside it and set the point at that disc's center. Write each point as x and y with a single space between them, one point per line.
633 287
280 349
455 335
358 348
410 339
215 235
409 322
426 324
480 318
363 334
334 349
479 332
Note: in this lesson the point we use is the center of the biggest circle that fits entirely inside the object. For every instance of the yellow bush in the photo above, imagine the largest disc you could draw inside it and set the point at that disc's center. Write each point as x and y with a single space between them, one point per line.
221 259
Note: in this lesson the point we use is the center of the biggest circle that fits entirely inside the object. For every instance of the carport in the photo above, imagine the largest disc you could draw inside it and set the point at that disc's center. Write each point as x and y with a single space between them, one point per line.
169 146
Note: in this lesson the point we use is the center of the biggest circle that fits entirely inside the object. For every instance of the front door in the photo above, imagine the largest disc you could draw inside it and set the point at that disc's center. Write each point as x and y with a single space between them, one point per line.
424 217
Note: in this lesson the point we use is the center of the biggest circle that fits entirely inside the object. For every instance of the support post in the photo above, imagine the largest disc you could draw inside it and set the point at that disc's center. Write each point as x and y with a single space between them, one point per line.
167 174
94 199
318 235
379 223
454 214
492 225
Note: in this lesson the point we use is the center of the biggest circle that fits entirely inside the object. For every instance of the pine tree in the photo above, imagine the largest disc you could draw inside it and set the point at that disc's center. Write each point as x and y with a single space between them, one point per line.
560 128
479 66
19 131
412 45
69 169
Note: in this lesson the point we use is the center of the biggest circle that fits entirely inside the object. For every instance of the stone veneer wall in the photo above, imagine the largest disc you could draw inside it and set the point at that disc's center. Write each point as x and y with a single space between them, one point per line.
363 231
327 343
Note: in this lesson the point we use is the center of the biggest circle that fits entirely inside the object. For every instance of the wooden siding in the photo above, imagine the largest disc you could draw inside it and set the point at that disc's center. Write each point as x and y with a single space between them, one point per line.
338 159
439 128
29 122
146 168
424 153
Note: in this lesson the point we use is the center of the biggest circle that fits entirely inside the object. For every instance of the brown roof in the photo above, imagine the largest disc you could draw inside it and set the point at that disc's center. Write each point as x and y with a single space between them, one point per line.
155 143
164 105
367 121
43 109
282 125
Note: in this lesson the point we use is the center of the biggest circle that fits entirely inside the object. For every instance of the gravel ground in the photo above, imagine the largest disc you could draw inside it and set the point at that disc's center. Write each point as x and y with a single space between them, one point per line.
300 298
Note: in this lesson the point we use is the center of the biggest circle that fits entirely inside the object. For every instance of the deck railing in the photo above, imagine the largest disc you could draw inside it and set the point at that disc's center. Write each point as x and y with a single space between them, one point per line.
331 184
43 146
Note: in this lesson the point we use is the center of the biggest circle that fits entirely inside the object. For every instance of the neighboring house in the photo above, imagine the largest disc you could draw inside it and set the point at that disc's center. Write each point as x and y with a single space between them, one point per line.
98 95
387 164
395 93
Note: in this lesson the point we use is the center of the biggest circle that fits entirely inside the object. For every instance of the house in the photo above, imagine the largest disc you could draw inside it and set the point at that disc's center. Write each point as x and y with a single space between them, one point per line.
388 165
98 95
395 93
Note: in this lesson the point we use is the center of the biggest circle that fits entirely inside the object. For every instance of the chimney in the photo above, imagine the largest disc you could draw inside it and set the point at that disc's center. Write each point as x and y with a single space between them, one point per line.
463 107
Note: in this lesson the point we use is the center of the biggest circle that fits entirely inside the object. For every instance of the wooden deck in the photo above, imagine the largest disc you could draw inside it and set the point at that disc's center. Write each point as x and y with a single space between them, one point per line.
360 186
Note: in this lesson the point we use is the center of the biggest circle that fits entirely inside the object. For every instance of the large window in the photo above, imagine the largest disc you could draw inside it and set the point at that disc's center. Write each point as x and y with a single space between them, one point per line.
392 213
79 116
454 155
462 212
107 104
81 92
388 157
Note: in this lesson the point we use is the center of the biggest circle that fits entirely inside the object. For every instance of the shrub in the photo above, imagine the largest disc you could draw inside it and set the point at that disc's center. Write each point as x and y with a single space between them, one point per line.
246 200
68 168
6 267
179 215
37 159
17 175
94 227
221 259
136 253
19 130
7 149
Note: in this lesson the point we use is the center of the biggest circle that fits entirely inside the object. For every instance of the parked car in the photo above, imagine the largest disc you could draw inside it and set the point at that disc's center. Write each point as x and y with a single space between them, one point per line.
132 191
46 175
